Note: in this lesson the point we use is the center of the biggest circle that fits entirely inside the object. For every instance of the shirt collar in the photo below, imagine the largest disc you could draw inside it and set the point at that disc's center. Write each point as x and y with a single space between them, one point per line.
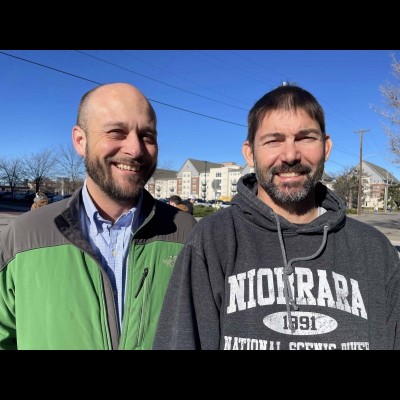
94 216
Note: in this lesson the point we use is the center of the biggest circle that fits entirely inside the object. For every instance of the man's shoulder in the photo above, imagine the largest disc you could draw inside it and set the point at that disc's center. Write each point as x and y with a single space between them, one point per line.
360 230
38 223
35 217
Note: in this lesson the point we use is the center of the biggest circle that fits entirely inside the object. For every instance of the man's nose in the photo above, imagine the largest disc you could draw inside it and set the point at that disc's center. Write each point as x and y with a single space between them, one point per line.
290 152
133 145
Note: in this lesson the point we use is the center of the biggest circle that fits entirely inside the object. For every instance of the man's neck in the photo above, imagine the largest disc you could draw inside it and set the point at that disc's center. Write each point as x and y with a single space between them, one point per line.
108 208
297 217
298 213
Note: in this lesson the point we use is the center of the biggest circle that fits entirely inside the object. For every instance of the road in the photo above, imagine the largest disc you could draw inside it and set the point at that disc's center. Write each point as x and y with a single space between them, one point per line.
388 224
10 211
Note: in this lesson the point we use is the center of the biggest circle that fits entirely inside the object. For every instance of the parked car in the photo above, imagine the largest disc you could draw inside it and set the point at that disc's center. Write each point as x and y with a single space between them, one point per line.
221 204
30 196
201 202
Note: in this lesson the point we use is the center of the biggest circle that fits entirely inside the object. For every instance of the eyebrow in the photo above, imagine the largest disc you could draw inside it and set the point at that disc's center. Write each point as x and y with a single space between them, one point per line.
300 132
123 125
114 124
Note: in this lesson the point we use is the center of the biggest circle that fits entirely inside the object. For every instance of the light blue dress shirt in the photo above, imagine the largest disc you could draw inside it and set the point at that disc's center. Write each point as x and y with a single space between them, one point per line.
111 243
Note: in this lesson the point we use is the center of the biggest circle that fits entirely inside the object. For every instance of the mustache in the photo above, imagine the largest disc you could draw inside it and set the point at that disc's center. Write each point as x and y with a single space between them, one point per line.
279 169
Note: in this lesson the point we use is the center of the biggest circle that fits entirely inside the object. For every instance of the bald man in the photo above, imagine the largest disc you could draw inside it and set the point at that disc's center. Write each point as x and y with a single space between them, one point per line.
91 271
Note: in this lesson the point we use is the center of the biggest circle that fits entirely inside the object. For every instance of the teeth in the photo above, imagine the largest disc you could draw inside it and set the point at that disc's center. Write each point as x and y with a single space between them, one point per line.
126 167
289 174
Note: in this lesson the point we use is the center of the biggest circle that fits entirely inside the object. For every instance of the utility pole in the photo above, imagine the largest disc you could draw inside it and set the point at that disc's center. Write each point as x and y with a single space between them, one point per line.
385 197
359 205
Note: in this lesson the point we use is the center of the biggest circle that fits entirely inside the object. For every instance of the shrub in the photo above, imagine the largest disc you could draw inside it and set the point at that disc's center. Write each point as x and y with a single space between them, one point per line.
201 211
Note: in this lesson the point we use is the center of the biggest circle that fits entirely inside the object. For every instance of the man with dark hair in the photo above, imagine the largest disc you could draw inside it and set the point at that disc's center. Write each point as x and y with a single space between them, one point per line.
177 202
283 268
91 271
189 203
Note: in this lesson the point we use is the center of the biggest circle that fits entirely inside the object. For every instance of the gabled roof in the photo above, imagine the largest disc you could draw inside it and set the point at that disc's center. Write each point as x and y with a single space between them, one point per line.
201 165
382 172
164 174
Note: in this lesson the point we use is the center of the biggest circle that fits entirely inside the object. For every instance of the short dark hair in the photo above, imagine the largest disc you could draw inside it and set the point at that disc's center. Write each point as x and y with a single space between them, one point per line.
176 199
286 98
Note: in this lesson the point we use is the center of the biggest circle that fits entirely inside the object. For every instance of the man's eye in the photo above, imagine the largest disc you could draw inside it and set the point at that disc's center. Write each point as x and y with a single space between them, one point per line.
116 132
149 138
309 139
271 142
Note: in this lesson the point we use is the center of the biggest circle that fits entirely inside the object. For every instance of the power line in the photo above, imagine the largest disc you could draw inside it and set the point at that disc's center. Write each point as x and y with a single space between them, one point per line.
249 75
257 63
179 76
158 81
99 83
53 69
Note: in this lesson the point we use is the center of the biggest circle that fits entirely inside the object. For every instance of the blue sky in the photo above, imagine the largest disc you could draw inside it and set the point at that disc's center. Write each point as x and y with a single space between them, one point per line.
201 97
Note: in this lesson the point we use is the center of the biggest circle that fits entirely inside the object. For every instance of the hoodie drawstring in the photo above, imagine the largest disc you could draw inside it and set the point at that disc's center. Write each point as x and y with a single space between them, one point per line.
288 269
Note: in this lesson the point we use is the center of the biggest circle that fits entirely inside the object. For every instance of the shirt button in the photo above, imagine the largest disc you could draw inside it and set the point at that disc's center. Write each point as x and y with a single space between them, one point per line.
114 252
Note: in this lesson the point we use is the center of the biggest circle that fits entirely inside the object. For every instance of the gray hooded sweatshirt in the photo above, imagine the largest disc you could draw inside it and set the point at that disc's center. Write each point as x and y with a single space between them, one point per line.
248 279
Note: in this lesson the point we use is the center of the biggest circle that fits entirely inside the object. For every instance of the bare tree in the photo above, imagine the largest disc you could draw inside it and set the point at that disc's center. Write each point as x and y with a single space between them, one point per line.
166 164
39 166
391 112
71 166
11 172
394 195
346 186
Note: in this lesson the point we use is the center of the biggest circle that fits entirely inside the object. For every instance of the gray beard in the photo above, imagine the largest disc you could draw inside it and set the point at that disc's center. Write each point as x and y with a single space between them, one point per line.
295 192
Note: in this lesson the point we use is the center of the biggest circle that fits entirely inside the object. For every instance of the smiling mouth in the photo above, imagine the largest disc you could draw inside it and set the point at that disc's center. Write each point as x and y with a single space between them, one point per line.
125 167
289 174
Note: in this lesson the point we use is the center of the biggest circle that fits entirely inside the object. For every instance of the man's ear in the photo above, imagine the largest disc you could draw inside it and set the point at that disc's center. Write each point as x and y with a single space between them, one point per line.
247 152
328 147
79 140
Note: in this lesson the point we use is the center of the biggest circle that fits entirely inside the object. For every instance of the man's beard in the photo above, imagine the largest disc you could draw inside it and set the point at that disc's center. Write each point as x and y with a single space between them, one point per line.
290 192
101 173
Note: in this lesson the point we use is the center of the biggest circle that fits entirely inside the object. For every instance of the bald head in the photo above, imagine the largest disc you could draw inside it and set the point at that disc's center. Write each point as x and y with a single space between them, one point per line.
116 133
110 93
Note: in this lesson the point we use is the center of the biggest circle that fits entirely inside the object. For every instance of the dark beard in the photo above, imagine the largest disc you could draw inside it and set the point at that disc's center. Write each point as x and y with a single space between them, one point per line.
101 174
295 192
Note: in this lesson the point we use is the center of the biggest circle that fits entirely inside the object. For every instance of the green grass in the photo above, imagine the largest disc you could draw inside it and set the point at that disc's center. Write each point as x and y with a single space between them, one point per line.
201 211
